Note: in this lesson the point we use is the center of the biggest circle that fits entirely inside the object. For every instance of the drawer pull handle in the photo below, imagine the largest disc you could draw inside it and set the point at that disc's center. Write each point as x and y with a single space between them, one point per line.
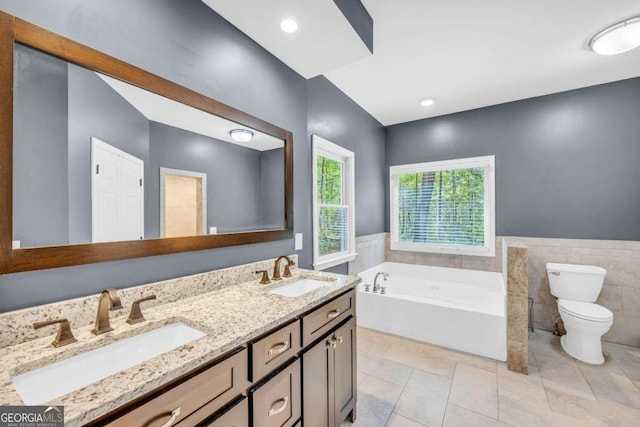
278 348
333 314
174 415
277 406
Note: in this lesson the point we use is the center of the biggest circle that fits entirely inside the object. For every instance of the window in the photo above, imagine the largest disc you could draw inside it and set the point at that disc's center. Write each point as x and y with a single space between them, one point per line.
333 204
444 207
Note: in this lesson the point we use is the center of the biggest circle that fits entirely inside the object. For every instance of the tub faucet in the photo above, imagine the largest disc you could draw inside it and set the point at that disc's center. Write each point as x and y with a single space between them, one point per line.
376 287
109 300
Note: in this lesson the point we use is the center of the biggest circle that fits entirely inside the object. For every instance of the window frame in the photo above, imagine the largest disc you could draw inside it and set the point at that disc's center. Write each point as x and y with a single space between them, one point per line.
485 162
324 148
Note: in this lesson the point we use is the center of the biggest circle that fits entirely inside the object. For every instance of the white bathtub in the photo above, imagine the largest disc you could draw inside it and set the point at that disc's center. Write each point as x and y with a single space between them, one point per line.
460 309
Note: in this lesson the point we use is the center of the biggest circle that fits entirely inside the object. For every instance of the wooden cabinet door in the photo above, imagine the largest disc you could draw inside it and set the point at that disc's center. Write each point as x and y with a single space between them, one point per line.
317 385
236 415
344 372
276 402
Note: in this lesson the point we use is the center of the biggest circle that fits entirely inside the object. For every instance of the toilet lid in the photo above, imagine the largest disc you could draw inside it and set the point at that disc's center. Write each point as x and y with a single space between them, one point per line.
585 310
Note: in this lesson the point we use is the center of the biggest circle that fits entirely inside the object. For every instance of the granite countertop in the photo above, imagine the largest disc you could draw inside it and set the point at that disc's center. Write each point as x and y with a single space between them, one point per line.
229 316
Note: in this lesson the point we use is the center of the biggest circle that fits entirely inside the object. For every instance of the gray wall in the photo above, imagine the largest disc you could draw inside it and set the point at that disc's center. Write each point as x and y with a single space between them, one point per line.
566 164
234 173
96 110
187 43
40 126
337 118
272 188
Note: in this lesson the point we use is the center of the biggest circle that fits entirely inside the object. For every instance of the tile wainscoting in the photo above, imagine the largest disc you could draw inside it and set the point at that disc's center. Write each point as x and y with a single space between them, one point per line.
620 294
621 291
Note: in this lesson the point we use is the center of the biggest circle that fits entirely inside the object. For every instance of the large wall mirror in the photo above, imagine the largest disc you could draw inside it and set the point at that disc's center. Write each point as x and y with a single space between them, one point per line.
103 161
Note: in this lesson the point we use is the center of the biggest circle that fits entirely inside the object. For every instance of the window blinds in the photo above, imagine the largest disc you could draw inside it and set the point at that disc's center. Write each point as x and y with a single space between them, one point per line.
442 207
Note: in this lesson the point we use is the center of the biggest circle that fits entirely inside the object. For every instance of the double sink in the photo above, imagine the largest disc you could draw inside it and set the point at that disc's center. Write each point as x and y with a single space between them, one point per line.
57 379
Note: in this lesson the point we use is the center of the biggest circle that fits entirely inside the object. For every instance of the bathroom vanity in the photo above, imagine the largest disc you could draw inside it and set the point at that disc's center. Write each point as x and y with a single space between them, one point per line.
265 359
260 383
267 354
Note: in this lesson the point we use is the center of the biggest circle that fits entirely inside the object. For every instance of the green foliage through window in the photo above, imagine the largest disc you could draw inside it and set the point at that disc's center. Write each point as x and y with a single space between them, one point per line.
443 207
329 181
333 214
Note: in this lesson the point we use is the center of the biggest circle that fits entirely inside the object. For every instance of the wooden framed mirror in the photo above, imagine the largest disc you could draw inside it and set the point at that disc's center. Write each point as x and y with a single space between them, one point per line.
77 189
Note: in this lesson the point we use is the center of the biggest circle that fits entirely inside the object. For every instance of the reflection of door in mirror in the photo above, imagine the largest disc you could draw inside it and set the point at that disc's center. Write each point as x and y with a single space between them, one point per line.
117 194
183 203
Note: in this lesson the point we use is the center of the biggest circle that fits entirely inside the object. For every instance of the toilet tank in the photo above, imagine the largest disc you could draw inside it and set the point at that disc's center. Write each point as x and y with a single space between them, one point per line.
575 282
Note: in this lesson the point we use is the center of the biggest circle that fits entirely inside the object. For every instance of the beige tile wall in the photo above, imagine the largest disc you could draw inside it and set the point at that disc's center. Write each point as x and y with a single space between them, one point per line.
515 270
370 251
621 291
444 260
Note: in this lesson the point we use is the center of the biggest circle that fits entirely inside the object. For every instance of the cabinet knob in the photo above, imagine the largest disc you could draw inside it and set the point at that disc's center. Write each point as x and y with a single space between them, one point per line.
333 314
278 406
174 416
340 339
278 348
332 343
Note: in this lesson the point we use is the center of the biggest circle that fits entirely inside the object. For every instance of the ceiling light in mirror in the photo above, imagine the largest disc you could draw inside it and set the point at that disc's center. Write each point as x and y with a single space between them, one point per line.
426 102
241 135
619 38
289 26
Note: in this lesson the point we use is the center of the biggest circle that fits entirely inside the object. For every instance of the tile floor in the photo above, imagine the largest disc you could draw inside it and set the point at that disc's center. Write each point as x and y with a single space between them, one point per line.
404 383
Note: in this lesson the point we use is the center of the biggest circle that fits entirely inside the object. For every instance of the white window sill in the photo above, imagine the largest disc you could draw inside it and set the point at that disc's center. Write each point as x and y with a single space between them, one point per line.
449 250
332 262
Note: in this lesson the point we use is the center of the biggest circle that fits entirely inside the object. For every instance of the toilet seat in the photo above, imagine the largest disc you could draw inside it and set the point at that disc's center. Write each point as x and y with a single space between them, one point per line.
585 310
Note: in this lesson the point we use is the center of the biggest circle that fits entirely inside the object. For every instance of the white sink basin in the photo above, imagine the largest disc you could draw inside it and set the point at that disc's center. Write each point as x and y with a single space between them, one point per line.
57 379
299 287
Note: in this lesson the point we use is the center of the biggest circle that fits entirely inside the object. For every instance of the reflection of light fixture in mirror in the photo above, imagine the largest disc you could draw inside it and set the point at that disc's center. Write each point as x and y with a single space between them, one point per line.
617 38
426 102
241 135
289 26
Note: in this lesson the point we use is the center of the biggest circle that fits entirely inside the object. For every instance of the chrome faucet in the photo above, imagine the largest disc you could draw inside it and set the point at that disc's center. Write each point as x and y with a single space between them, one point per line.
109 300
376 287
276 269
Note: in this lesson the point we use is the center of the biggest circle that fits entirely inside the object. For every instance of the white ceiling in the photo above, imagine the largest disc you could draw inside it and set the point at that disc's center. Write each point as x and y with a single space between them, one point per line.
324 41
159 109
464 53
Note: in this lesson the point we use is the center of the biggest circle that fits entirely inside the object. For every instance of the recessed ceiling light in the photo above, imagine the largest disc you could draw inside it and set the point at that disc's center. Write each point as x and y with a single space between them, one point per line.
289 26
241 135
426 102
618 38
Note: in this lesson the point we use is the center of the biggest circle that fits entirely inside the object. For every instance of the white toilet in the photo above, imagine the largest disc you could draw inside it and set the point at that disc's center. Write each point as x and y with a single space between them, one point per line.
577 287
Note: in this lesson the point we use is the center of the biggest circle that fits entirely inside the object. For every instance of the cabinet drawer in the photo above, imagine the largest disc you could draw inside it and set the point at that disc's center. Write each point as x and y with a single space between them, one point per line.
206 391
277 402
277 347
323 319
237 415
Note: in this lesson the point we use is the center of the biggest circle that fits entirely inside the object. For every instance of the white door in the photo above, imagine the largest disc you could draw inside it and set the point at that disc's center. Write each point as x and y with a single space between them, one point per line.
117 194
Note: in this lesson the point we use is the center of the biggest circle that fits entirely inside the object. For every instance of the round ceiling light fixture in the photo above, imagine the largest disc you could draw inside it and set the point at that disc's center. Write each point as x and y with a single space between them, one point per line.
617 38
289 26
241 135
427 102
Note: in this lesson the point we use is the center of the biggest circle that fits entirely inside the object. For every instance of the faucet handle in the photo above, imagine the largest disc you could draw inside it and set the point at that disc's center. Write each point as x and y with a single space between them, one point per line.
383 290
135 316
287 272
367 287
264 280
64 336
